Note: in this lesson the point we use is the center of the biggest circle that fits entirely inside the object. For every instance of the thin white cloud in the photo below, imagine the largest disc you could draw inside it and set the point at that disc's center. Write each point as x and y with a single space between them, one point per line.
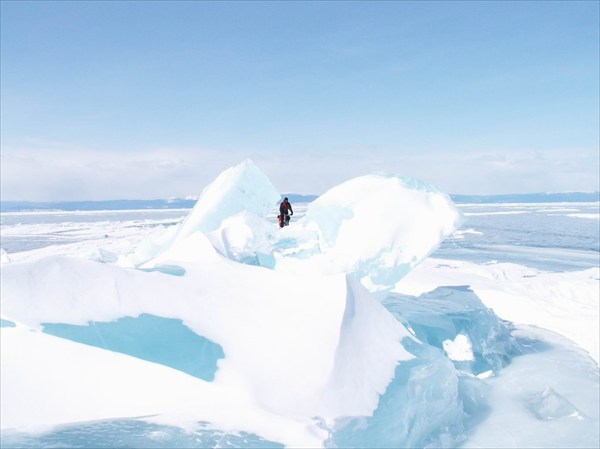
511 171
46 173
58 174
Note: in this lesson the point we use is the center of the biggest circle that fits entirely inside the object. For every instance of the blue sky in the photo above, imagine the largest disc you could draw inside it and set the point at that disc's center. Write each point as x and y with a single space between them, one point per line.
106 100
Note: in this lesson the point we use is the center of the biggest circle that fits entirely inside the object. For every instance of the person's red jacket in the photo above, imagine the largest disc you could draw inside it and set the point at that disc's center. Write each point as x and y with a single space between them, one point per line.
284 207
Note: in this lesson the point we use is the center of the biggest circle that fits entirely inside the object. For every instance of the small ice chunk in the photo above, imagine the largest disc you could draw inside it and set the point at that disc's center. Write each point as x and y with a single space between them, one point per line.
4 259
548 405
485 374
104 256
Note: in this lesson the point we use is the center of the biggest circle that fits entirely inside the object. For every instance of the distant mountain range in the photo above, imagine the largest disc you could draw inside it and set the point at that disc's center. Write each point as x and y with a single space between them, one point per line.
15 206
187 203
562 197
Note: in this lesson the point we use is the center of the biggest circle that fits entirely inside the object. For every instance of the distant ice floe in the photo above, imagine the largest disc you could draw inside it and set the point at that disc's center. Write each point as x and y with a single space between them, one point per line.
588 216
460 234
504 212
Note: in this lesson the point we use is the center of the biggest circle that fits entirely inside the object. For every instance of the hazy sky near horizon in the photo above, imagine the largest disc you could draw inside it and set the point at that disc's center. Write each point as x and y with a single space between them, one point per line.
134 99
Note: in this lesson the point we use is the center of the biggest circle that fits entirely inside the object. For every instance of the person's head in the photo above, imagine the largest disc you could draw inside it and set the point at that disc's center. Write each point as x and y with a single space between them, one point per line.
285 199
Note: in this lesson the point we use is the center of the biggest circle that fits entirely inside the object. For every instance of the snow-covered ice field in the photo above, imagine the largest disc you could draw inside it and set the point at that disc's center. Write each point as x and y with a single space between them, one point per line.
427 326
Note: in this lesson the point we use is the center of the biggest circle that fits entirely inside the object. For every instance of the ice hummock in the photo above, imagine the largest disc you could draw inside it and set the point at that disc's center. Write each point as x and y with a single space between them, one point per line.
375 227
548 405
378 227
310 357
242 190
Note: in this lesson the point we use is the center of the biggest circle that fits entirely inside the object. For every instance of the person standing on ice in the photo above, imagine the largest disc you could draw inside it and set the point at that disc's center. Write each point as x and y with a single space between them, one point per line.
284 217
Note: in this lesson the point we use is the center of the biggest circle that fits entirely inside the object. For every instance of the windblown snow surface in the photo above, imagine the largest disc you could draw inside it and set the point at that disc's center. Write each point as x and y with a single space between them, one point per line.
225 331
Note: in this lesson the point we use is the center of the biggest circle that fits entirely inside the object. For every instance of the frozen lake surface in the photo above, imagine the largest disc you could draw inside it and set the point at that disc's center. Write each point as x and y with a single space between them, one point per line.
550 236
506 308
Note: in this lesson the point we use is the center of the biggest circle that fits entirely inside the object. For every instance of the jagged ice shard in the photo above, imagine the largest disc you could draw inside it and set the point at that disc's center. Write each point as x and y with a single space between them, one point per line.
229 330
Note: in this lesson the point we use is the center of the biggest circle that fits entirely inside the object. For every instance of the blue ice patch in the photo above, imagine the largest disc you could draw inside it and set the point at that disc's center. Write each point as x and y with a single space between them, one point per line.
173 270
6 323
133 433
156 339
